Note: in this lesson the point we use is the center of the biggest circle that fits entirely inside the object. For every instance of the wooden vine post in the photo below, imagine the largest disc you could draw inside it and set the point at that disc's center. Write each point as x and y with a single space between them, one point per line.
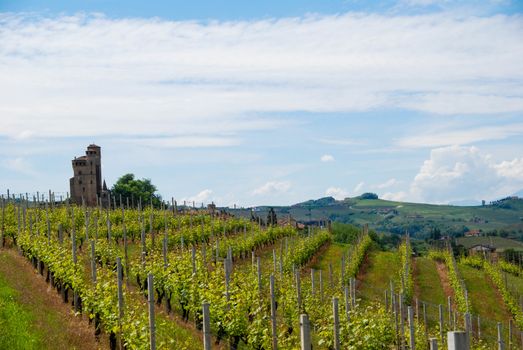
273 314
150 299
120 297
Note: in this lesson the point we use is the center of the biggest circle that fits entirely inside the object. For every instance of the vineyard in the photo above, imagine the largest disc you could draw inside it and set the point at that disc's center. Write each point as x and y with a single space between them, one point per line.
189 279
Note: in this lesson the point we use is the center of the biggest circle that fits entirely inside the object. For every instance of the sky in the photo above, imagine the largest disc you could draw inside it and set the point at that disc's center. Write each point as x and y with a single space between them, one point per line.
266 102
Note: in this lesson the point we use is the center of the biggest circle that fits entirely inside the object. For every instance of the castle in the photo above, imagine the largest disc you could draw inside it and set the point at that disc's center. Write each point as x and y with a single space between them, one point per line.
86 184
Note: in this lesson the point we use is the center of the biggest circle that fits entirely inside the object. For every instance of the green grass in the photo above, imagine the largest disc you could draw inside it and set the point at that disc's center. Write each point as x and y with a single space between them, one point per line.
427 281
332 255
15 322
381 268
484 300
515 285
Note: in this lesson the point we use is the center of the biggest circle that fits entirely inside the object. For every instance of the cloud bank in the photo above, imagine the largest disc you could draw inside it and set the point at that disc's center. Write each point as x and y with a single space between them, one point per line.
457 173
87 75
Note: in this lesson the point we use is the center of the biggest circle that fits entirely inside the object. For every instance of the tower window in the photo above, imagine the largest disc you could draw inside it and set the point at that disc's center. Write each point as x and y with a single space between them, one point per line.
83 189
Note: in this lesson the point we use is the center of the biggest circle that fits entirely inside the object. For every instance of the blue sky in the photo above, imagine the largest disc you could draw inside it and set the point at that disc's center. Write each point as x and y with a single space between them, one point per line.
270 102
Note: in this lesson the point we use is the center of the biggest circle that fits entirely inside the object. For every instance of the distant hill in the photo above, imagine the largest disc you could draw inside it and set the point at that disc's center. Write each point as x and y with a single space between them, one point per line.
504 216
519 194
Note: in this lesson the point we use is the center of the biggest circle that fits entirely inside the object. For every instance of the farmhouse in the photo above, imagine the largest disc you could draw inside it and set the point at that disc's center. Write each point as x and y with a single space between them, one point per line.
480 248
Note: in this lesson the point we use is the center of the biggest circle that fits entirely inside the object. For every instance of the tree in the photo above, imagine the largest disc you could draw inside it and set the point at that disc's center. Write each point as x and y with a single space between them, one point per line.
272 220
129 187
369 195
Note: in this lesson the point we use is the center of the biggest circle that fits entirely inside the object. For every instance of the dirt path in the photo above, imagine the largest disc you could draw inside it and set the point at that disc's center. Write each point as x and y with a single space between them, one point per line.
444 278
53 319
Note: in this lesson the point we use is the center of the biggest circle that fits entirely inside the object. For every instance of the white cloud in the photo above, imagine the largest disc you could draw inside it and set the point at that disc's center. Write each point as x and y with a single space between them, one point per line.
387 184
395 196
327 158
359 187
459 173
86 75
185 141
19 165
337 192
272 187
203 196
340 142
461 136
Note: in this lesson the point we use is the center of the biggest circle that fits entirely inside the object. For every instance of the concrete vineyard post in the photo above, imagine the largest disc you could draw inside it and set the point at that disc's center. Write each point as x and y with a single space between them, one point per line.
274 260
449 306
150 299
93 262
312 282
457 341
273 314
298 288
321 286
331 281
412 336
347 304
402 321
2 229
479 328
193 258
120 296
501 344
258 270
206 326
126 255
305 335
440 309
164 251
335 313
425 319
395 314
468 326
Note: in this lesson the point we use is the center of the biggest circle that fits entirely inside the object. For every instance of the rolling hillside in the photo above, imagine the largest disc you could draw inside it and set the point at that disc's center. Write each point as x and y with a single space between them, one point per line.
503 217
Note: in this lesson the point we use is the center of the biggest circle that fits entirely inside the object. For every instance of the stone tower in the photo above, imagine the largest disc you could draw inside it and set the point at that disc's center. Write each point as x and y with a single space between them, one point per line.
86 183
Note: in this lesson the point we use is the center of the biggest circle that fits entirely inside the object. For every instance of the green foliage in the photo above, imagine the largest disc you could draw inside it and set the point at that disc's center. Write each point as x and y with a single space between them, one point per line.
344 233
129 187
406 282
368 195
510 268
494 272
357 255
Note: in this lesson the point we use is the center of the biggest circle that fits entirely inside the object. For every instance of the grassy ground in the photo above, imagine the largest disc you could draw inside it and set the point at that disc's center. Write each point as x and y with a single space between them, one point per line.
378 270
484 300
15 321
427 282
515 285
35 313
